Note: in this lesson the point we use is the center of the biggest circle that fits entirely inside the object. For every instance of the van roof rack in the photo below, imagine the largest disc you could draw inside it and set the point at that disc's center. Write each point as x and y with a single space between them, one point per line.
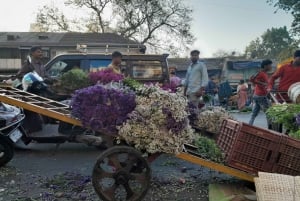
109 48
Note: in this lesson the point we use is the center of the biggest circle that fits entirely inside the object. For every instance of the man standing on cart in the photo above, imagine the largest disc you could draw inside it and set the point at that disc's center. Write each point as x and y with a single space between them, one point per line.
260 80
196 79
288 74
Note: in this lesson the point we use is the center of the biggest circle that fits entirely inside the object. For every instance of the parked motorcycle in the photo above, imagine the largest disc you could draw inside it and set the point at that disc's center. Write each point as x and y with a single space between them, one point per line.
15 124
10 131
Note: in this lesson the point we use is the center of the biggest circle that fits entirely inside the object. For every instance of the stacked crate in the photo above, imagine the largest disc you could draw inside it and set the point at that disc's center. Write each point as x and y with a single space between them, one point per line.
254 149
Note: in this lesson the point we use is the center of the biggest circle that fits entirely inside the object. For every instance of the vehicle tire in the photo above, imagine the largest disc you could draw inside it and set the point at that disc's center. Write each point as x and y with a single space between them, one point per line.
6 150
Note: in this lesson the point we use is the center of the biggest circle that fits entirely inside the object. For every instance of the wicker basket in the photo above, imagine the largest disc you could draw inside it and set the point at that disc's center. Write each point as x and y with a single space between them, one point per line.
277 187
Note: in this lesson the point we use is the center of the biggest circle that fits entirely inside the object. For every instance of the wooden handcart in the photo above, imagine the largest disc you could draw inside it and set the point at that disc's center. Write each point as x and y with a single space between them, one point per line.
118 165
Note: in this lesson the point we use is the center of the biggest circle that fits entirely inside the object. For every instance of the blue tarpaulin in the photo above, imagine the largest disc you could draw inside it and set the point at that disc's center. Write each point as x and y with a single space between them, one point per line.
237 65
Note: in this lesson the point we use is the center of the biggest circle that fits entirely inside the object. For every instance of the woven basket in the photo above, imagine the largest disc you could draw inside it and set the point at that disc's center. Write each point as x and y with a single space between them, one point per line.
275 187
297 188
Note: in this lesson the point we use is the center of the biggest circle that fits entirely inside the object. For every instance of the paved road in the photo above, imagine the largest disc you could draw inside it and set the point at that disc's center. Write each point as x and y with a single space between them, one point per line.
44 160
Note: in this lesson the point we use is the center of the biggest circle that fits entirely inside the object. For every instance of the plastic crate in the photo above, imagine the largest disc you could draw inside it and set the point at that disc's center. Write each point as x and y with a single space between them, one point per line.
228 133
247 147
288 159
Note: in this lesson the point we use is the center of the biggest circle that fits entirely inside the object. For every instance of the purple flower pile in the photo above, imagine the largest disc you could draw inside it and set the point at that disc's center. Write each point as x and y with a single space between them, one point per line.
171 87
105 76
193 114
102 108
172 124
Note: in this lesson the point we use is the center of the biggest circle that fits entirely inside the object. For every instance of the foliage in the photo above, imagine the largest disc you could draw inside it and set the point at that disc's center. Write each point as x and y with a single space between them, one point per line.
102 108
271 44
286 114
292 6
160 24
206 98
105 76
74 79
208 149
132 84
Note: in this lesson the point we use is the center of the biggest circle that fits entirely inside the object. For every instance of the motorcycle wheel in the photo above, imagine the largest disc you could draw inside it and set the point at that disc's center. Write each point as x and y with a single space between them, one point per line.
6 150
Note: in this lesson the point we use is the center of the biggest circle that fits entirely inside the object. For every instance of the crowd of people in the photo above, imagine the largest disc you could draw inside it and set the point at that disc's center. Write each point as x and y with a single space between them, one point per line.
197 83
254 92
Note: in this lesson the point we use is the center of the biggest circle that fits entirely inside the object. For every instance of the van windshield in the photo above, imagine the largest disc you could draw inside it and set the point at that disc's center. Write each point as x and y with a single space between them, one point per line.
147 69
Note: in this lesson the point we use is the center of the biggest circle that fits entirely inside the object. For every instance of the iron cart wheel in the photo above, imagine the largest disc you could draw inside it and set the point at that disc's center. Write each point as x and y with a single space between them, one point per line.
6 150
121 173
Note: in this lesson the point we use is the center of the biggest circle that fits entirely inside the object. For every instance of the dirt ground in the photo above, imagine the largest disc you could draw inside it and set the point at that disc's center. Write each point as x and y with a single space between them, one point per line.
43 173
17 186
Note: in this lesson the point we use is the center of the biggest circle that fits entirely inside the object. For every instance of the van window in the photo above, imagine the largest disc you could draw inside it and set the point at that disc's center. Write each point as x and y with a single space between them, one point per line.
62 66
97 64
147 69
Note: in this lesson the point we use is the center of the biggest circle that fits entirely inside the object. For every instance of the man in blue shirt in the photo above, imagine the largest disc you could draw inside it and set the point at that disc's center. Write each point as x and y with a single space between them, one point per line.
196 79
212 91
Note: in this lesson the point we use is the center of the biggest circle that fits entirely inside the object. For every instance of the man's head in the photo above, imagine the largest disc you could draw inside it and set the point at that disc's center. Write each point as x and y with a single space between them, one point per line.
296 61
195 55
116 58
36 52
242 81
266 65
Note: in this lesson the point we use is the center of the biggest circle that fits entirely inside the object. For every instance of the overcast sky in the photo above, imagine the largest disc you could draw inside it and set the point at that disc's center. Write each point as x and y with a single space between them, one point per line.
217 24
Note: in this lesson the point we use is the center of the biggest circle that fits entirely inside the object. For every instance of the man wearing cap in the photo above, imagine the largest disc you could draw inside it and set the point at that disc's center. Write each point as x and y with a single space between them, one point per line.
196 79
288 74
36 55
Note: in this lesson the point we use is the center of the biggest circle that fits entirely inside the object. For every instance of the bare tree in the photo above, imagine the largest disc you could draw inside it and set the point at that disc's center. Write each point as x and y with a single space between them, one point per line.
96 23
50 18
160 24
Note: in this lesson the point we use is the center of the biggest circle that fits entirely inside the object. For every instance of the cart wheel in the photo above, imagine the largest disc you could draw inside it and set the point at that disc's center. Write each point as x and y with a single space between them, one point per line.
121 173
6 150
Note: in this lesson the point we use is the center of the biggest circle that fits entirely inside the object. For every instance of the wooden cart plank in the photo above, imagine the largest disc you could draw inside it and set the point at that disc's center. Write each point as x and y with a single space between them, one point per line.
59 113
216 166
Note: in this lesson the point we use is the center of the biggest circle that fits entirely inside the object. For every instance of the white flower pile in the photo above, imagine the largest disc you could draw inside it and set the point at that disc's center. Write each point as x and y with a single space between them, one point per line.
210 119
159 122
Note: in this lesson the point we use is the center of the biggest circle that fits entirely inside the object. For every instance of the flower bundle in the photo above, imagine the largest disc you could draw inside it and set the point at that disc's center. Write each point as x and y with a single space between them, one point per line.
74 79
288 116
159 123
105 76
102 108
210 119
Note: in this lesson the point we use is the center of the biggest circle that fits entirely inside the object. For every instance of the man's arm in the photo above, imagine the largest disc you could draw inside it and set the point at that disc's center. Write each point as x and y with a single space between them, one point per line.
204 78
274 77
24 70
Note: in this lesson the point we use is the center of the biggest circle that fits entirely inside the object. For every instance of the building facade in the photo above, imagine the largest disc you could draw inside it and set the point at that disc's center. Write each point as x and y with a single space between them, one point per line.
15 46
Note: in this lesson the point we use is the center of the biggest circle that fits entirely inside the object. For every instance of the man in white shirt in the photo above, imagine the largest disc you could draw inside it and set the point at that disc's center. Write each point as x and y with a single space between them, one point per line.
196 79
